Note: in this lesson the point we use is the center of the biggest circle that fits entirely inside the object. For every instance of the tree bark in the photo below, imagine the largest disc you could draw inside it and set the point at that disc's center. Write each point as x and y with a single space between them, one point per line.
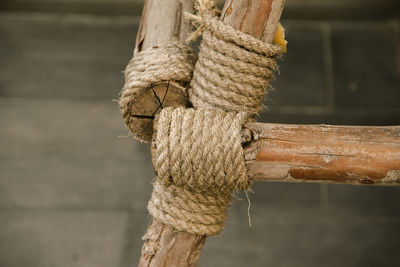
161 21
164 246
322 153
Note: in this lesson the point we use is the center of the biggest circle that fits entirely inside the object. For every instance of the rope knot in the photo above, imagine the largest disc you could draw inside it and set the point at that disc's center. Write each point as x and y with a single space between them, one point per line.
200 150
199 162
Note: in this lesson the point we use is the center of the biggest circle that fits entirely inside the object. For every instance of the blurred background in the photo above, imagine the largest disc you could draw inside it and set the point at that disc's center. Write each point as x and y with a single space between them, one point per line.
74 186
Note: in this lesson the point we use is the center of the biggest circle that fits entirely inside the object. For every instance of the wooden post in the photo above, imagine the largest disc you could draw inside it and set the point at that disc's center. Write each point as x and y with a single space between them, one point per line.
161 21
164 246
361 155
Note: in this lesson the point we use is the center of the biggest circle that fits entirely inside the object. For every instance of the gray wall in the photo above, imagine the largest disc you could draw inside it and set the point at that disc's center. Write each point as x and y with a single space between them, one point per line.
74 186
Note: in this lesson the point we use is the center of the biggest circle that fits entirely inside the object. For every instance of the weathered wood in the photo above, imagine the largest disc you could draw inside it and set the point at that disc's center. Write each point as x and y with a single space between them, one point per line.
150 102
165 246
257 18
321 153
161 21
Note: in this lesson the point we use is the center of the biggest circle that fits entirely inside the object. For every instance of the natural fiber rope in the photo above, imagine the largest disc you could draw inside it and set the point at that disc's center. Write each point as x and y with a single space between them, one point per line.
198 158
197 213
233 69
200 150
170 61
198 155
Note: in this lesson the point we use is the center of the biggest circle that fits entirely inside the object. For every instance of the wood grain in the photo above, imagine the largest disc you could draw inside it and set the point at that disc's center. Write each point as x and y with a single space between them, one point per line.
165 246
258 18
361 155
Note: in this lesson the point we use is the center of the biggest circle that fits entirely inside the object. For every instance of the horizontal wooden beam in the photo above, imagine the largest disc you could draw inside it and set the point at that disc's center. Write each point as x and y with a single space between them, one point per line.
361 155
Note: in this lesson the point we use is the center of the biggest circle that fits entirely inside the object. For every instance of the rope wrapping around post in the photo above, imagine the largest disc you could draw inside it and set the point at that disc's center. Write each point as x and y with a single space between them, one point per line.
170 61
198 156
164 245
161 68
233 69
198 159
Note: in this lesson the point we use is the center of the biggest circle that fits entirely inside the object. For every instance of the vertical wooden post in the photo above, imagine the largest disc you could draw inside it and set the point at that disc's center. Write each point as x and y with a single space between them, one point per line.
164 246
163 21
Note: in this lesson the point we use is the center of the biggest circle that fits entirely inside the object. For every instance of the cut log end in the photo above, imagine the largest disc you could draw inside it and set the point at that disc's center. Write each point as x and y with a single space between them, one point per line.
149 102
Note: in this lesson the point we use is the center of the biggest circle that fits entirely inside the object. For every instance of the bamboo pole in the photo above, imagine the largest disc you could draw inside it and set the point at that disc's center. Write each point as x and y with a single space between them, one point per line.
164 246
362 155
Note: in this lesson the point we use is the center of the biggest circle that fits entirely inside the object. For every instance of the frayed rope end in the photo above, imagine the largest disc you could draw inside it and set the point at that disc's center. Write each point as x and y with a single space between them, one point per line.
203 8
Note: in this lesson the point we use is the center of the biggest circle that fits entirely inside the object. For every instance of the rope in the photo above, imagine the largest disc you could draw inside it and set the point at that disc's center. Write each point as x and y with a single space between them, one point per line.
198 157
200 149
196 213
233 69
170 61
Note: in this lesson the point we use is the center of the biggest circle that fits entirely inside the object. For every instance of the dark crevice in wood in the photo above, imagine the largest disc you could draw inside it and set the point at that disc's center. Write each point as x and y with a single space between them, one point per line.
156 96
165 95
143 116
